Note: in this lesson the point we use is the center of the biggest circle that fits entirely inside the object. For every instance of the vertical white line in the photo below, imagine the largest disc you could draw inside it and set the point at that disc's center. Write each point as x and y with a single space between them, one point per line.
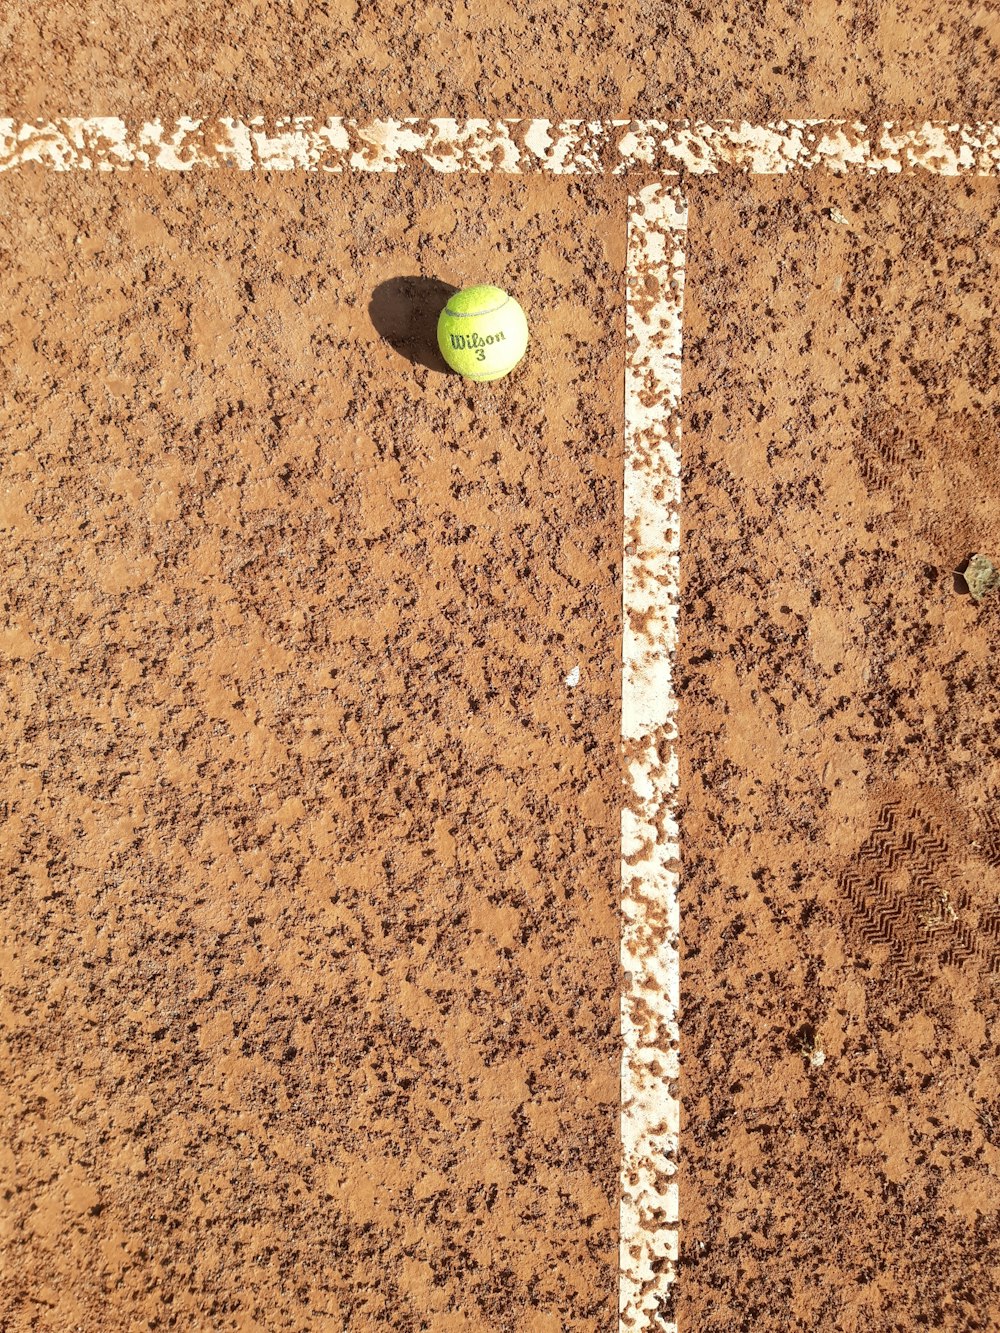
650 1114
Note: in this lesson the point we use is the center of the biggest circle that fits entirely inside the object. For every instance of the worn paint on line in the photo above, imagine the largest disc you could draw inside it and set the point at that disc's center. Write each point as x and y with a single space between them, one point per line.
566 147
650 1114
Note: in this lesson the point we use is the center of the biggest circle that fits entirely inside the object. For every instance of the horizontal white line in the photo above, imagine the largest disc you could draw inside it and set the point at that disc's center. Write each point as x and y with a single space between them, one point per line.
591 147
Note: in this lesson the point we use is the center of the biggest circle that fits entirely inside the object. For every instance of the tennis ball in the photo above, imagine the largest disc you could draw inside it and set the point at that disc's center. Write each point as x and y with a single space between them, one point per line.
482 333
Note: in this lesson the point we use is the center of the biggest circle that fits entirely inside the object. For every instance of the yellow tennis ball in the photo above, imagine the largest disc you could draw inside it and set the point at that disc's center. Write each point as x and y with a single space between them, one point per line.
482 333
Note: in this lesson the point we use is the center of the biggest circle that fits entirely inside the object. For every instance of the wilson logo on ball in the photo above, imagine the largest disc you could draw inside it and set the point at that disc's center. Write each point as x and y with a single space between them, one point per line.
472 342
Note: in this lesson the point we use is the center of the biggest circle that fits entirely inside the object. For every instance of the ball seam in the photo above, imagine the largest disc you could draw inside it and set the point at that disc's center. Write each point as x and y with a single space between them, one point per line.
476 314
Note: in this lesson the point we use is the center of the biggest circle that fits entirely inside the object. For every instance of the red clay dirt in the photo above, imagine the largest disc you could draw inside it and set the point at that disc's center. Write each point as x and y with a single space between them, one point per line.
866 59
840 782
309 920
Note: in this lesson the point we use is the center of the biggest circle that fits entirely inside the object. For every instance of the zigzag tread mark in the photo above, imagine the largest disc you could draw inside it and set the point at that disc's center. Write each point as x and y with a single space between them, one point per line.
873 474
937 930
925 847
882 853
926 851
974 941
985 940
879 918
956 955
974 945
926 885
881 453
886 819
990 836
963 943
909 923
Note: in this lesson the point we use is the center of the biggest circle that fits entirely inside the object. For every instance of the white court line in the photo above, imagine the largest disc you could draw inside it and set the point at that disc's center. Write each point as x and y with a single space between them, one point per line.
650 1108
650 1113
595 147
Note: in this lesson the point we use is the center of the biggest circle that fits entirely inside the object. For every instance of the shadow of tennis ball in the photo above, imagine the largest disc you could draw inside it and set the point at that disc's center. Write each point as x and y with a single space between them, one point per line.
404 312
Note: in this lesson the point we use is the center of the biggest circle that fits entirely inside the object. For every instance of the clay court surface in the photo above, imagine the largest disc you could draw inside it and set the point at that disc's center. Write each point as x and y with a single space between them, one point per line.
311 852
